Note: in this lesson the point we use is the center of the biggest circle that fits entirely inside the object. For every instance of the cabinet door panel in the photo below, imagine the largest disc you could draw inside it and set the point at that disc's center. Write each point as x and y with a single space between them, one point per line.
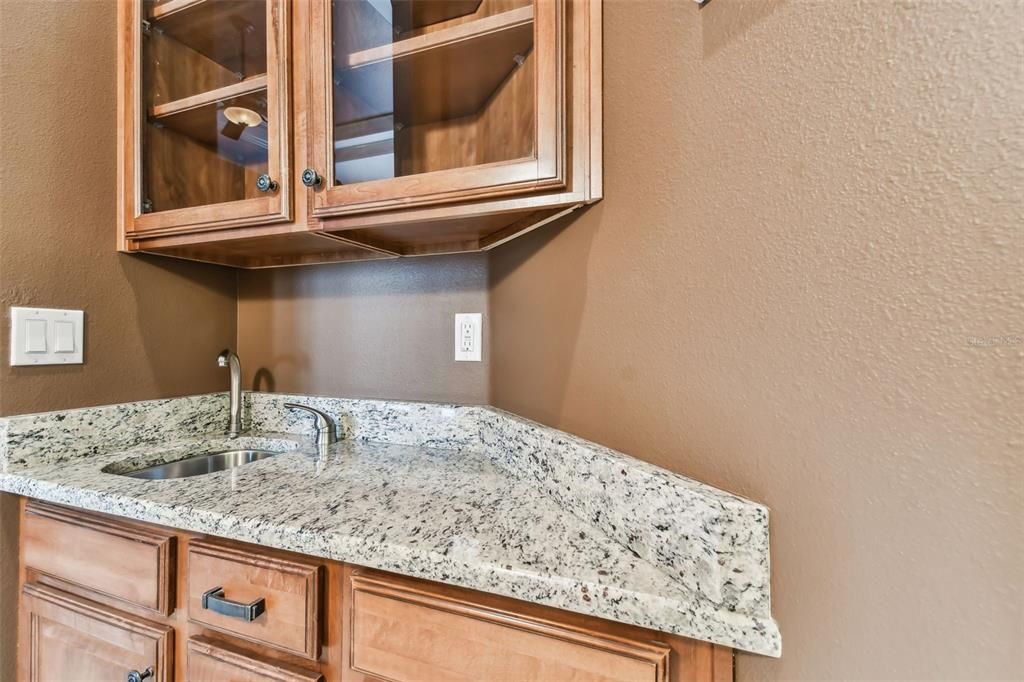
205 114
418 102
403 631
62 637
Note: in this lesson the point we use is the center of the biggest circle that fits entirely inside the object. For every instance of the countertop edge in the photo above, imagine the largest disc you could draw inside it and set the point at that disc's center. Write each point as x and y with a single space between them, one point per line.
732 629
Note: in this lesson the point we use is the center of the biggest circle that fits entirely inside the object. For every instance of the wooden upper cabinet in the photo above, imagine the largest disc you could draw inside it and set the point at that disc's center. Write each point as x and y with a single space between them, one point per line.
205 118
417 103
384 128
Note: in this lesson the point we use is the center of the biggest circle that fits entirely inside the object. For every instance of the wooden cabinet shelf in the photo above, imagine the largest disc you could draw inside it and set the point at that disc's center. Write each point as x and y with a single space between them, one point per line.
224 31
197 117
249 86
483 53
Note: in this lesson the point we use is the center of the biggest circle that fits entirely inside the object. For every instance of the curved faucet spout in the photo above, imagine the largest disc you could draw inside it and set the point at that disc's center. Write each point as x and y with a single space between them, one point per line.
230 360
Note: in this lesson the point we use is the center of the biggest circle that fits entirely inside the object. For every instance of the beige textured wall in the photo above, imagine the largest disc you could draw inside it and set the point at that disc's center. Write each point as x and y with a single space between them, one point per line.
153 327
381 329
811 208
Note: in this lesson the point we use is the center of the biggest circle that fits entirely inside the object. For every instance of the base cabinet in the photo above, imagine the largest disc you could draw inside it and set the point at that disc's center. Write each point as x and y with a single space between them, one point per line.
207 661
243 613
399 630
63 637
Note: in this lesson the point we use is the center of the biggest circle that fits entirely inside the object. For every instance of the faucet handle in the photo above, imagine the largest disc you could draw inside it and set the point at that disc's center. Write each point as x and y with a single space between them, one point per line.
326 433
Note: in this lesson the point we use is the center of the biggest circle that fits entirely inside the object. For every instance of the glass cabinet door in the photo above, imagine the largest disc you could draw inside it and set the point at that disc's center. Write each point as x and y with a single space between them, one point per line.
431 101
211 92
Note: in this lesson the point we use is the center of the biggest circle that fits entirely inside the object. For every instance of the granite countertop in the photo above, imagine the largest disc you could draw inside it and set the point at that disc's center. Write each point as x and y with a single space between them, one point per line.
460 495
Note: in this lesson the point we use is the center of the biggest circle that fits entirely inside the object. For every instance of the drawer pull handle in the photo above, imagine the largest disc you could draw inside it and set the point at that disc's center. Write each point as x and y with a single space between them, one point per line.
136 676
214 601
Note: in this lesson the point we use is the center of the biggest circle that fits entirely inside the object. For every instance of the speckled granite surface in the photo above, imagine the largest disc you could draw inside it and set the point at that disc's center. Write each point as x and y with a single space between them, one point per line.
465 495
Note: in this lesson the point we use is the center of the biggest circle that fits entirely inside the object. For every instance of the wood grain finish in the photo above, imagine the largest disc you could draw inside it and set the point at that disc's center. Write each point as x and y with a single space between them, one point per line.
402 631
484 9
481 225
64 638
169 188
236 249
208 661
459 184
367 621
413 14
199 189
451 72
173 71
217 29
500 131
112 560
248 86
525 147
290 587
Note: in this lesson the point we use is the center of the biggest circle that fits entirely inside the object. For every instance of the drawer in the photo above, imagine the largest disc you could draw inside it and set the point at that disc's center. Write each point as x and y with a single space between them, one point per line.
406 630
209 661
262 597
100 557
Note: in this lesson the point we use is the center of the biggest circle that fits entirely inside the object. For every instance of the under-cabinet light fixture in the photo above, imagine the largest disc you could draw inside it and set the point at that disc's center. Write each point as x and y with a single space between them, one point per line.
239 118
242 116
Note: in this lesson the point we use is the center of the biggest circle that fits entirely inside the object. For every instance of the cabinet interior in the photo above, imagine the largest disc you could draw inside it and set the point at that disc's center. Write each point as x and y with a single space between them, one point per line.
203 60
429 85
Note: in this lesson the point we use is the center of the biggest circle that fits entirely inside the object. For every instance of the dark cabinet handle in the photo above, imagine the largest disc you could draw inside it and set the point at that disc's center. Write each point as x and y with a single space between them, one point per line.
136 676
310 178
265 183
214 600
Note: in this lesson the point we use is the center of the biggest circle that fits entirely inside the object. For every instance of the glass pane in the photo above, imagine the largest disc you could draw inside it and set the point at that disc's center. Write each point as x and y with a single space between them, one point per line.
429 85
204 94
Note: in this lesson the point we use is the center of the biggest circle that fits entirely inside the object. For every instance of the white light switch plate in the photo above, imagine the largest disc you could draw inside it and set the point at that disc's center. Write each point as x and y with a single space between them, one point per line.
469 337
46 336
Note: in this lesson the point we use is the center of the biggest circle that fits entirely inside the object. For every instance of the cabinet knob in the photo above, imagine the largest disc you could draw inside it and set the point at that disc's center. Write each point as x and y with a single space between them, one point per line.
136 676
310 178
265 183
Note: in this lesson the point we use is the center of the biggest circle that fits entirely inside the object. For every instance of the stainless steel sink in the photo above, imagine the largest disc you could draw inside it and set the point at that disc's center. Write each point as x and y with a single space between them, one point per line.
206 463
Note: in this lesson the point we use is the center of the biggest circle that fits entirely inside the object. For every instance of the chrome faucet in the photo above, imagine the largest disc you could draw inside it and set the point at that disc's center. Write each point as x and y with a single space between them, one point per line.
326 431
229 359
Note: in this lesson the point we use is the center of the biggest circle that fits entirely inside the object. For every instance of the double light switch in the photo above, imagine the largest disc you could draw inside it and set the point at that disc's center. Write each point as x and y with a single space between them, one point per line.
45 336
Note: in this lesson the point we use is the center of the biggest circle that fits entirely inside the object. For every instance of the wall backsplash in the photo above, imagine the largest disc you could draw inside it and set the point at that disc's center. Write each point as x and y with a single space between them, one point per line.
381 329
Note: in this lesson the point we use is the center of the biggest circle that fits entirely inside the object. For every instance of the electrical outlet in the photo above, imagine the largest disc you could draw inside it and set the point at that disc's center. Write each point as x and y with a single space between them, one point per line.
468 337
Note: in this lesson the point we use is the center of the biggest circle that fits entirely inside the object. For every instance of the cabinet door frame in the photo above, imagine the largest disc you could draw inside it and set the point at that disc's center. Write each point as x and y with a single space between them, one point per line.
546 171
40 601
269 208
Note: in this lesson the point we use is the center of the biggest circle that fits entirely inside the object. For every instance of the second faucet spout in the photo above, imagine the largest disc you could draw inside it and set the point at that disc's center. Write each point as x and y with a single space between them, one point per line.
229 359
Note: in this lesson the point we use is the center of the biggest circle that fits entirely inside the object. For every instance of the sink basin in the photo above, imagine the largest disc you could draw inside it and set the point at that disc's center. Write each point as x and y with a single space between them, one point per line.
206 463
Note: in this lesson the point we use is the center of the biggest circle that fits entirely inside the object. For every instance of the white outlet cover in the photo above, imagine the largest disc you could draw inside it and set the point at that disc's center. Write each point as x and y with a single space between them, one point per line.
46 336
469 337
